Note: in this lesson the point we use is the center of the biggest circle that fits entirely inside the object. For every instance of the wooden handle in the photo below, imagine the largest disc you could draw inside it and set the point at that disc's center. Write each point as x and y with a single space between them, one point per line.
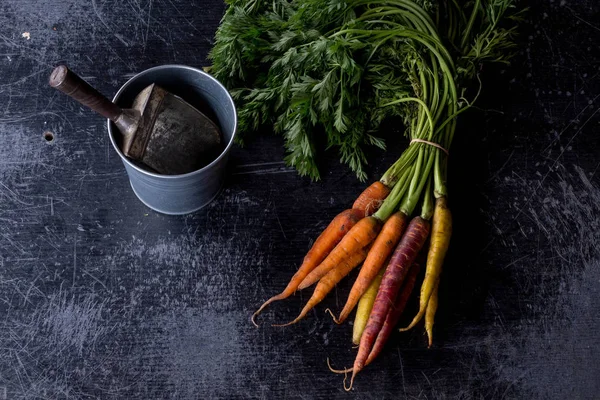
65 80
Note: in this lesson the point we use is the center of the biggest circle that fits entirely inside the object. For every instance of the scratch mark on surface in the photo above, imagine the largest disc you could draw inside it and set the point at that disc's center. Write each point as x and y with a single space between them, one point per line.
117 56
502 167
33 287
529 198
402 371
25 297
15 196
121 39
148 24
261 164
265 172
21 80
594 172
36 115
95 7
581 19
184 17
52 245
426 378
15 245
94 278
74 260
279 222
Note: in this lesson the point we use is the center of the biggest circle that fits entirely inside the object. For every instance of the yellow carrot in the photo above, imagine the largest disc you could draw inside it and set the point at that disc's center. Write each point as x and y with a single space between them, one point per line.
432 306
365 304
441 231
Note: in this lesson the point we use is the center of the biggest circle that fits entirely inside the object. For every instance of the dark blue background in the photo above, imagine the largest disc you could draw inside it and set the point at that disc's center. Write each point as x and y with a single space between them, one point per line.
102 298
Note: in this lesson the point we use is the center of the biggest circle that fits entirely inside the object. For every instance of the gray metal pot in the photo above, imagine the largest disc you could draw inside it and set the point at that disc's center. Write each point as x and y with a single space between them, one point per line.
185 193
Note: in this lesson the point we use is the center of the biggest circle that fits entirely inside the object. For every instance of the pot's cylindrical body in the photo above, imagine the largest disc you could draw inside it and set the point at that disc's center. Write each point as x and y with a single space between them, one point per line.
185 193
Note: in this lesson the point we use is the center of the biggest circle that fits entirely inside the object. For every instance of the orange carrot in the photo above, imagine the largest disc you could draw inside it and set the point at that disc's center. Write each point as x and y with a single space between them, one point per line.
351 259
326 241
331 279
371 198
382 248
402 259
359 236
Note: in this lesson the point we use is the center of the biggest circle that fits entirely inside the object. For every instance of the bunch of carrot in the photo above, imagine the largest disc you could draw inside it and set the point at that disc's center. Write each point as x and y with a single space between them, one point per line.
387 247
402 221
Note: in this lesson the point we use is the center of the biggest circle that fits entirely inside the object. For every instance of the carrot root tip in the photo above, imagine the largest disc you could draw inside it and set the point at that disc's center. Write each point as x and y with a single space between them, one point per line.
253 318
408 328
280 296
284 325
298 318
337 371
342 317
327 310
349 388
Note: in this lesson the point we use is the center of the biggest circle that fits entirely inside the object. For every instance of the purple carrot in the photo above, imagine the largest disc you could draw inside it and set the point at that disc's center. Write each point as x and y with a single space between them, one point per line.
404 256
395 312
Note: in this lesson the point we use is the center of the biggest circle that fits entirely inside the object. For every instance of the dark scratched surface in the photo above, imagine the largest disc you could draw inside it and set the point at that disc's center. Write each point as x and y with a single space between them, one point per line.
102 298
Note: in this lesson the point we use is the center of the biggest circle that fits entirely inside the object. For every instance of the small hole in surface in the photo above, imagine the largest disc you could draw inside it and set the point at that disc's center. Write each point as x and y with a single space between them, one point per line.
49 136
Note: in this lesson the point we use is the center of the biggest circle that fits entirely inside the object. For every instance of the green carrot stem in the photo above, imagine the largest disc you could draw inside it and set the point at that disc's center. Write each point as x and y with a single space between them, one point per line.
424 96
415 12
467 31
451 29
439 185
424 106
410 201
432 43
391 176
391 202
427 209
436 93
417 175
